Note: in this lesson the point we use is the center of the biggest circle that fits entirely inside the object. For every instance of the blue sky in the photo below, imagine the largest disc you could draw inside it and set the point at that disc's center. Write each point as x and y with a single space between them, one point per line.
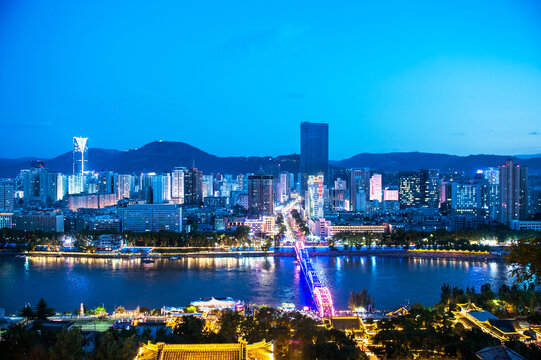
237 78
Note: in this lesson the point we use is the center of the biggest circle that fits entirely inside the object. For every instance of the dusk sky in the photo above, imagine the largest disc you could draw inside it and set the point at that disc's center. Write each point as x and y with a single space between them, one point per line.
237 78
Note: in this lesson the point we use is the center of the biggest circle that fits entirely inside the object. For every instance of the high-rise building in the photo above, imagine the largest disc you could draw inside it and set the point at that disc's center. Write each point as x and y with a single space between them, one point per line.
193 187
107 182
492 175
40 185
314 197
260 195
80 155
161 188
177 185
359 188
429 188
7 197
513 192
409 188
376 188
314 151
283 188
145 187
125 186
77 184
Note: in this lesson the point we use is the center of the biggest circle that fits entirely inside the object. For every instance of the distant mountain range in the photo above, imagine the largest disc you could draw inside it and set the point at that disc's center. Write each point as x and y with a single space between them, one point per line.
445 163
161 156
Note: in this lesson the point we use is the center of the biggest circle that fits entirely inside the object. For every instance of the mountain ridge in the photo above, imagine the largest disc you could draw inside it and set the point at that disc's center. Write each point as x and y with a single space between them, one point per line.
161 156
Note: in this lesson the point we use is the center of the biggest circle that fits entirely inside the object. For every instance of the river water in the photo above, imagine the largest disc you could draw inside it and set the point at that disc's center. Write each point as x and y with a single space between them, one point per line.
66 282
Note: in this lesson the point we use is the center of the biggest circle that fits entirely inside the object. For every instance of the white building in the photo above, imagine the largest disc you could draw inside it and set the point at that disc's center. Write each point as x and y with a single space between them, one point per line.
314 196
152 217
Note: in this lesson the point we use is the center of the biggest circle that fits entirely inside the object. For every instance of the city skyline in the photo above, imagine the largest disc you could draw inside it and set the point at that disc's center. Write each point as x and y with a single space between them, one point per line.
457 78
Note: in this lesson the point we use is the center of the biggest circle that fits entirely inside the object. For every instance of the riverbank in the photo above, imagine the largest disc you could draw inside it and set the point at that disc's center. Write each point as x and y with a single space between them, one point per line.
423 254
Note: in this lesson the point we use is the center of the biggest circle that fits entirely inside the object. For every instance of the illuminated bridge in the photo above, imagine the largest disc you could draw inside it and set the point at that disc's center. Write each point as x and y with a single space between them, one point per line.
321 294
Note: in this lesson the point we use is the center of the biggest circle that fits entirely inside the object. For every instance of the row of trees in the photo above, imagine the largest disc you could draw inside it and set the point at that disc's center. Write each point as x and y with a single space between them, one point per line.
507 301
301 224
294 335
356 240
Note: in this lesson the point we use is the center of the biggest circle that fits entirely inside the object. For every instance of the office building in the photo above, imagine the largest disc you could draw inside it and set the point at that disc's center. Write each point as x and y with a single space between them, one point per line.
513 192
466 199
260 195
7 197
409 189
193 187
314 151
429 188
80 155
39 220
6 220
376 188
152 217
359 188
314 197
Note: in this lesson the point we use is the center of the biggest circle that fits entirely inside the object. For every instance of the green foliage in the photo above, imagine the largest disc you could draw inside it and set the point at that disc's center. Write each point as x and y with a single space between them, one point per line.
524 258
507 302
112 345
144 310
69 345
18 343
360 300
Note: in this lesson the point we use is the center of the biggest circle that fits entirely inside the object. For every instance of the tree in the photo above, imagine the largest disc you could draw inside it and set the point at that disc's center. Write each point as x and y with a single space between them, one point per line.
144 310
120 310
360 301
27 312
242 232
113 346
69 345
524 258
189 330
43 311
20 343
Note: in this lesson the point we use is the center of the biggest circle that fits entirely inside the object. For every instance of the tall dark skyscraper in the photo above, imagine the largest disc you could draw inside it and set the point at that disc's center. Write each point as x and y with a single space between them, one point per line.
193 187
314 151
429 186
260 195
513 192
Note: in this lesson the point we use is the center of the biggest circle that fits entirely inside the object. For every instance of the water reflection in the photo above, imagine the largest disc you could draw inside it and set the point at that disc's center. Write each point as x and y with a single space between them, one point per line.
66 282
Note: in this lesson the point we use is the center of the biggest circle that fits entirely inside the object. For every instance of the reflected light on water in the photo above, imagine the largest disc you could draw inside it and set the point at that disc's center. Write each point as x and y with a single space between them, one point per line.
66 282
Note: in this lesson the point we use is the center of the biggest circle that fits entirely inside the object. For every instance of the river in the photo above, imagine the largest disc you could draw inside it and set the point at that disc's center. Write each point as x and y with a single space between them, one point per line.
66 282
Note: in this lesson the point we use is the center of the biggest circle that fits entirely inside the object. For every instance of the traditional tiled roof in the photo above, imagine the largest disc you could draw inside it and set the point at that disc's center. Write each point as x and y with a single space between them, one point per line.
498 353
237 351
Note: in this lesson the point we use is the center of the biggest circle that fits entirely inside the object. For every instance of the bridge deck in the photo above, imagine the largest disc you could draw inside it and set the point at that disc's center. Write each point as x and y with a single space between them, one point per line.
321 294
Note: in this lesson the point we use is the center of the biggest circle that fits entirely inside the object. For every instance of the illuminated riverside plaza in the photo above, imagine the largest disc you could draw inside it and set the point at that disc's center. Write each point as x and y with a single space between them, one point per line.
270 180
